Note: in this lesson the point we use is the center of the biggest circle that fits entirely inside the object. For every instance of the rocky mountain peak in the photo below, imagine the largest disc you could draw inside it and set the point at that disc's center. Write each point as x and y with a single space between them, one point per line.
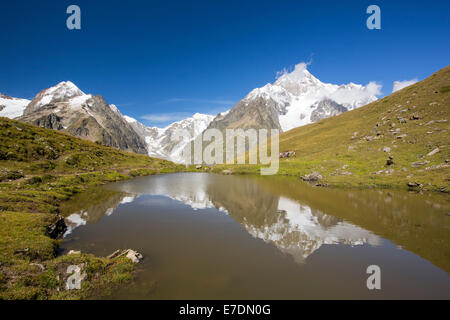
298 80
62 92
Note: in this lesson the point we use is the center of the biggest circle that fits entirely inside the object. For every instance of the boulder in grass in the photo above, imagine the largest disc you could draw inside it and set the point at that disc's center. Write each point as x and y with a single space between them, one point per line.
390 161
432 153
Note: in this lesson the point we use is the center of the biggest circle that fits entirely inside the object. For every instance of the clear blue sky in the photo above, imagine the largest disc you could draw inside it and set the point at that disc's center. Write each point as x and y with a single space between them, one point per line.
179 57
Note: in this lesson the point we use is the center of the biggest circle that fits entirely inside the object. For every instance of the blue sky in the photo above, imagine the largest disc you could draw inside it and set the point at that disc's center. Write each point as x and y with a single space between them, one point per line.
162 60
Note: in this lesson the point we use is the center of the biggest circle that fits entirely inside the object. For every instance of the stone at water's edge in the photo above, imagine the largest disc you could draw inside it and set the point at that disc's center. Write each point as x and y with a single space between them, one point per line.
134 256
227 172
57 229
115 254
314 176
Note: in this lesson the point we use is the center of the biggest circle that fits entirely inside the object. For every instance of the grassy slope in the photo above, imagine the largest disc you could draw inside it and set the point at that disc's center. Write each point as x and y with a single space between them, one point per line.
39 169
328 146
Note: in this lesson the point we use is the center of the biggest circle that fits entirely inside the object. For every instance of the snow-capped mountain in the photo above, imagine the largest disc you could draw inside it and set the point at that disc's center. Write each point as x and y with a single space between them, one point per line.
295 99
12 107
163 142
66 108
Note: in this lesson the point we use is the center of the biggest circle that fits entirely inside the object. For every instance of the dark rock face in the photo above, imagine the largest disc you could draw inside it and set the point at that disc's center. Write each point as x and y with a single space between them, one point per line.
81 130
50 121
259 113
2 107
326 108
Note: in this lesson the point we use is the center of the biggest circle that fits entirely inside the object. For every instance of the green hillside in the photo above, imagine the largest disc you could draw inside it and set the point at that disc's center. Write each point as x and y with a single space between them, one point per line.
352 149
39 169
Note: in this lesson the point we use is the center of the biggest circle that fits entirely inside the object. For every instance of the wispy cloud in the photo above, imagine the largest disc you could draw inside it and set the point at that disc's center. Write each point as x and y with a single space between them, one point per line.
197 100
166 117
399 85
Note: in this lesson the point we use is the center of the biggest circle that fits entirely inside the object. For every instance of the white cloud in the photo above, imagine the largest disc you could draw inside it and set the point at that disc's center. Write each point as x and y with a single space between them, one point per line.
356 94
373 88
399 85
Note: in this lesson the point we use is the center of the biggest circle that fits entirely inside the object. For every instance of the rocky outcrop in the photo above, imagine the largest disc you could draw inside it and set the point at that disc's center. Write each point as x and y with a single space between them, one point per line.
49 121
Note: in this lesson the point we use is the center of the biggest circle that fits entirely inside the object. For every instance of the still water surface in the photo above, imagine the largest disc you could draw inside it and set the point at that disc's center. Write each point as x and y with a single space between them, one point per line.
208 236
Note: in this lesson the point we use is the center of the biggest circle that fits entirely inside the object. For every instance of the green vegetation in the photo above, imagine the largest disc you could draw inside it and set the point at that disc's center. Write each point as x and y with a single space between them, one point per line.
39 170
351 150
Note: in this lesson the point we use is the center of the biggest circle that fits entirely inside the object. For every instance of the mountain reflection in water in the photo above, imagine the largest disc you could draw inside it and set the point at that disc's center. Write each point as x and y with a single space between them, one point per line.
294 217
294 228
